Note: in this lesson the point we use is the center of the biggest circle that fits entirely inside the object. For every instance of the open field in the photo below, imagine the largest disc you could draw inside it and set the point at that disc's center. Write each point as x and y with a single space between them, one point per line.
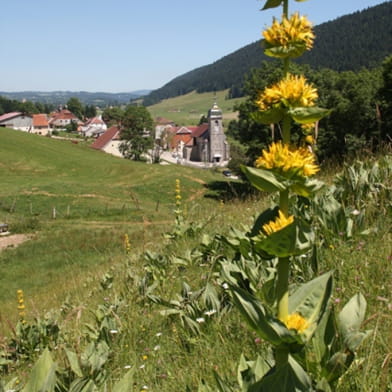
187 109
76 270
76 204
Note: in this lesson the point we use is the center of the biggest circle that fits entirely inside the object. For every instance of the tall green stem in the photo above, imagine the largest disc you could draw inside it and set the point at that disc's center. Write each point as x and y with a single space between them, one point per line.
286 8
282 284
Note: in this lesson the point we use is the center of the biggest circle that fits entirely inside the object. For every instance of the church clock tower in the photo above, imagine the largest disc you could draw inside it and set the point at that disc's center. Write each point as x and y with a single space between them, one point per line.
217 140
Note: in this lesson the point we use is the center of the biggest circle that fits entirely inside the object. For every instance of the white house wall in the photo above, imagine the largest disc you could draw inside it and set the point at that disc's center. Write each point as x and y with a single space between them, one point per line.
113 147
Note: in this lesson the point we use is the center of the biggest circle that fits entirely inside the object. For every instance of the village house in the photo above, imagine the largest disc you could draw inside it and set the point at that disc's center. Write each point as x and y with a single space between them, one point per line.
109 142
17 120
40 124
94 127
63 118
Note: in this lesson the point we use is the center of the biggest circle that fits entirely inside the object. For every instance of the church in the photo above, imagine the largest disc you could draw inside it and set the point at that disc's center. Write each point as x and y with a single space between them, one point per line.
203 143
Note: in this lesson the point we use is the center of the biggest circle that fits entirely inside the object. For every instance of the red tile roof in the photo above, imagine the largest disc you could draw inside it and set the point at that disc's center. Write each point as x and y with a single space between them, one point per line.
187 139
40 120
112 133
94 120
63 115
201 129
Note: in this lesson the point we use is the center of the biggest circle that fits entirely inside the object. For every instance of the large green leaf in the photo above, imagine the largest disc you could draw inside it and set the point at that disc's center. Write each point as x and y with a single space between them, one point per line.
293 240
74 362
272 4
271 116
324 336
308 115
126 382
352 315
350 319
310 300
293 50
307 187
290 377
263 180
267 327
43 375
249 372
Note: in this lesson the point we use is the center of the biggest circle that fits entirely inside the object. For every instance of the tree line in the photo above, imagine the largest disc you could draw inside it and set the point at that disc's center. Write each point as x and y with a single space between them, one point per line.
74 105
361 116
362 39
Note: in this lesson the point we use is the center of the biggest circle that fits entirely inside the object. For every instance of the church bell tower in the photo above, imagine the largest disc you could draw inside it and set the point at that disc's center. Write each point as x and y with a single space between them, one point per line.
217 139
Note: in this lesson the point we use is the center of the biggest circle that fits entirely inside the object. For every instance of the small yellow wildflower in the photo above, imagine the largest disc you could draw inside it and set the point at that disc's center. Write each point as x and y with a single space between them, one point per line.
296 31
278 224
297 322
21 306
280 156
127 244
144 357
292 91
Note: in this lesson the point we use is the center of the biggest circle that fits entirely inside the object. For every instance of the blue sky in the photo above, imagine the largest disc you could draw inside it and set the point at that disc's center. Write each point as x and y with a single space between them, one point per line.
128 45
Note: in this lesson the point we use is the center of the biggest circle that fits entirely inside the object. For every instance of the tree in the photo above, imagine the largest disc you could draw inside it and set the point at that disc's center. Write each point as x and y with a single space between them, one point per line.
72 127
90 111
352 126
113 116
75 107
136 132
385 95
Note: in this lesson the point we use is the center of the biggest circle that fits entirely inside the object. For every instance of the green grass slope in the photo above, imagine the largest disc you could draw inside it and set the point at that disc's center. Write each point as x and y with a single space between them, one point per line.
76 204
113 294
187 109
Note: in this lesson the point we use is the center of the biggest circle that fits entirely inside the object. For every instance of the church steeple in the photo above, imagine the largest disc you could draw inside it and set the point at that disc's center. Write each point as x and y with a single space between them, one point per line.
216 135
215 112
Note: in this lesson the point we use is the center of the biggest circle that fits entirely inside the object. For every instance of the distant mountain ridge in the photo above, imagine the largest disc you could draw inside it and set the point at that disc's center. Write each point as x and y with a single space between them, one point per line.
350 42
87 98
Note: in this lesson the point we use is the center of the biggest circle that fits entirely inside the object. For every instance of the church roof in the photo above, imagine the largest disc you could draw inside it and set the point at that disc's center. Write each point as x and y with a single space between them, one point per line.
201 129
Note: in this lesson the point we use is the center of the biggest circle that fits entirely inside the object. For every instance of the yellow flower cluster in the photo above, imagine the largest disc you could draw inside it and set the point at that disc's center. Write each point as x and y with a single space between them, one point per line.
178 193
293 91
294 31
127 244
21 306
297 322
280 156
278 224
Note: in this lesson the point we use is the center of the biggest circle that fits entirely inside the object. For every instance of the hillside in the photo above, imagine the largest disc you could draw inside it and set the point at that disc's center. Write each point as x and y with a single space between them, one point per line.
100 99
95 197
361 39
106 303
187 109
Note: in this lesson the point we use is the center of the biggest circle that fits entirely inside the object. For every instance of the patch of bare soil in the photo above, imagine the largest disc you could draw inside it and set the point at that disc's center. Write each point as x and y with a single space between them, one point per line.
12 240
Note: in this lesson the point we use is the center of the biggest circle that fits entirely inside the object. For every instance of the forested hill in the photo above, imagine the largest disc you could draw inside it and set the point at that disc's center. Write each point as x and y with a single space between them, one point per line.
361 39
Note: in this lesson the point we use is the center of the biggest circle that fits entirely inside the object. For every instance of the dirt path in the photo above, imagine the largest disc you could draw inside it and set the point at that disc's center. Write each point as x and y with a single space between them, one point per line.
12 240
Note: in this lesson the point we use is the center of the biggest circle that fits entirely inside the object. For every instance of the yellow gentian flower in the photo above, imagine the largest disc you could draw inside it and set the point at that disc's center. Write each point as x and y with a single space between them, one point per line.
280 156
297 322
293 91
278 224
289 34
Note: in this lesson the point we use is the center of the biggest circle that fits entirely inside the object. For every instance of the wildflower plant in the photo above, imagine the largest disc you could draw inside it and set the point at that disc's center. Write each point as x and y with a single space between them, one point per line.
312 346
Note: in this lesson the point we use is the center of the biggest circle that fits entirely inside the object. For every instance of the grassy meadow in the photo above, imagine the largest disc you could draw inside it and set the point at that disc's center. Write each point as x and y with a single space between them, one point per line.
145 305
76 204
187 109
